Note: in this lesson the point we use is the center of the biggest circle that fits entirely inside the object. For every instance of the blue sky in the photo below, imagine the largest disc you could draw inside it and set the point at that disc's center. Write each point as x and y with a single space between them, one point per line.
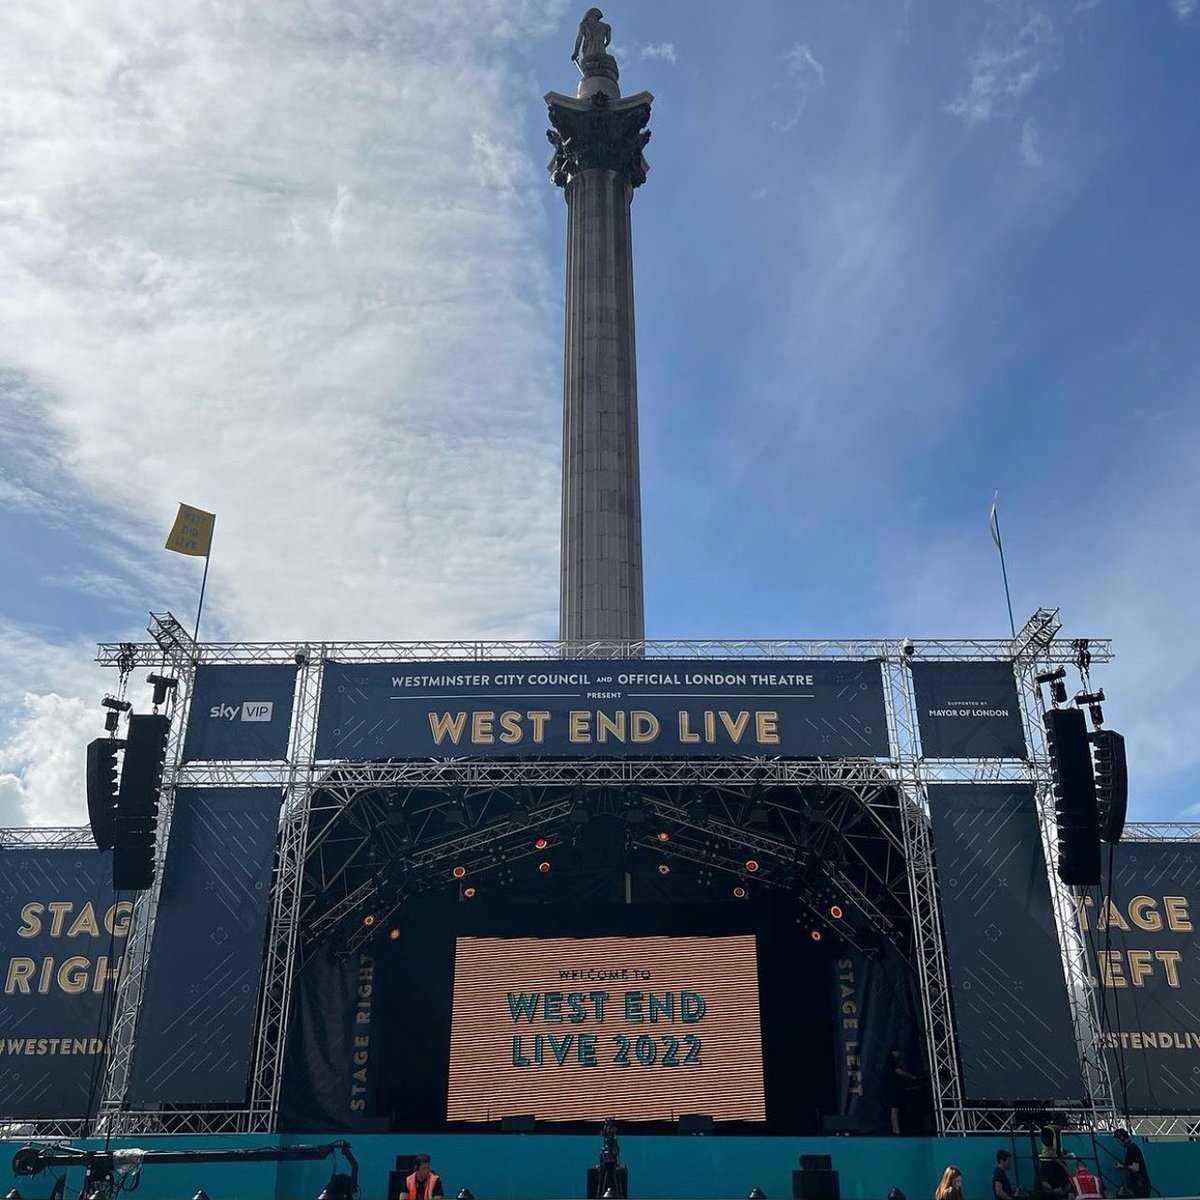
301 264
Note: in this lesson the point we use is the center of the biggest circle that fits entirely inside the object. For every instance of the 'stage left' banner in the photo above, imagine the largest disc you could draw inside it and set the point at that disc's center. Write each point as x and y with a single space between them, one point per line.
62 943
577 708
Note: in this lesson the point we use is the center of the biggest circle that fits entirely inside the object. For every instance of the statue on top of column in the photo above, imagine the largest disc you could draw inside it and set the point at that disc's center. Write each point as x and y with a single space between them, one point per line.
592 41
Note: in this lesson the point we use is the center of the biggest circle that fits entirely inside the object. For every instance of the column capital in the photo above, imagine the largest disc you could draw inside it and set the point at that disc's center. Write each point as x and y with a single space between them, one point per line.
598 133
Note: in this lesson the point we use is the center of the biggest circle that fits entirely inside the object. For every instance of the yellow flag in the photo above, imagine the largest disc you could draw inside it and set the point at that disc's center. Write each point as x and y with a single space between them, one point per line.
192 532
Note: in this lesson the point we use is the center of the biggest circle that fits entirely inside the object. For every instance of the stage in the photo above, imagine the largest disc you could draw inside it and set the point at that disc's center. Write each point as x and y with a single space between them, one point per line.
549 1167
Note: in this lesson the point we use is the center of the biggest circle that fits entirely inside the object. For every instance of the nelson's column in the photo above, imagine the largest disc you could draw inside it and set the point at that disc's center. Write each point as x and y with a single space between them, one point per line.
598 140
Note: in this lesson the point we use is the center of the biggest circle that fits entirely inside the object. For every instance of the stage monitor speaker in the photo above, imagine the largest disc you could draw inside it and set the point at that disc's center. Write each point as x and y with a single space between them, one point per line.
816 1162
838 1124
816 1185
1075 810
102 789
694 1123
621 1190
519 1123
136 821
1112 782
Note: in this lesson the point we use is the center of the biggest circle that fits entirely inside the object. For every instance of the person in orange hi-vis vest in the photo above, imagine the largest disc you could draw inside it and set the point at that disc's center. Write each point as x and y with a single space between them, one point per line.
422 1184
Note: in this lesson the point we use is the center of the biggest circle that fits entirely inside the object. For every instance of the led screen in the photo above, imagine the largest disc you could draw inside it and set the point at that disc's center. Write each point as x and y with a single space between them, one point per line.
638 1028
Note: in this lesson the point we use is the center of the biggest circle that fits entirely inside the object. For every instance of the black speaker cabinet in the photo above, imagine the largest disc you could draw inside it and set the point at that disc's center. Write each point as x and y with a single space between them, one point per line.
816 1185
622 1188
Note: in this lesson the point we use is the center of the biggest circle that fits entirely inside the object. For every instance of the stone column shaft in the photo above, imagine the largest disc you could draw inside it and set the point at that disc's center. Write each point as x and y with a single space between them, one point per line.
598 163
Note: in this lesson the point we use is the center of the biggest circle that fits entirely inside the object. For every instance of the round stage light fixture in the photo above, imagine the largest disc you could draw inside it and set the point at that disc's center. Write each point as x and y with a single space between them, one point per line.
370 919
816 935
663 835
752 865
394 935
835 911
739 892
469 893
543 867
664 868
540 844
459 872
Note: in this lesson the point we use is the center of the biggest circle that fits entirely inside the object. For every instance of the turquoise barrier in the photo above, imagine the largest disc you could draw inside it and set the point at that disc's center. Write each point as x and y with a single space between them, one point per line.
543 1166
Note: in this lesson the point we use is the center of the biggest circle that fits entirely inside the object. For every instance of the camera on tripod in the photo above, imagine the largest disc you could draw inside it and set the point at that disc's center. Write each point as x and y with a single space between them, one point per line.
609 1179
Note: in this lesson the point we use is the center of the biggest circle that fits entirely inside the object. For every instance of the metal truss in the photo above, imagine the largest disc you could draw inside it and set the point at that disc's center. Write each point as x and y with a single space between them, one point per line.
877 848
928 943
169 632
1162 831
112 1116
64 837
283 931
1077 968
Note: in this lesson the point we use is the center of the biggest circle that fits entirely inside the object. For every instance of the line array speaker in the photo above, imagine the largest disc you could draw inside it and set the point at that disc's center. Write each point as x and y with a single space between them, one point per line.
1112 782
102 789
136 820
1076 814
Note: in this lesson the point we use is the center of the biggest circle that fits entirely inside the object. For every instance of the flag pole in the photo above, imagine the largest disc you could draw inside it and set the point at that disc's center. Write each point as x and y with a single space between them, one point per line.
204 580
1012 625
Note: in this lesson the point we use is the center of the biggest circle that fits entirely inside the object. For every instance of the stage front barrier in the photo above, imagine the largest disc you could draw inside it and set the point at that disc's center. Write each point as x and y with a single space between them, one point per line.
197 1022
62 939
1015 1035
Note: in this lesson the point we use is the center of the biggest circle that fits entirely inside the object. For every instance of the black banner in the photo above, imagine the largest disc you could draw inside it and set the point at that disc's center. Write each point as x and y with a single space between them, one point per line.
876 1013
332 1061
62 943
1144 941
240 712
968 710
1015 1035
193 1038
595 708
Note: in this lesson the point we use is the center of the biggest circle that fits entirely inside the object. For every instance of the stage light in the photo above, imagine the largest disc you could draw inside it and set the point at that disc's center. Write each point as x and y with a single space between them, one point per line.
201 1194
835 911
540 844
469 893
459 872
465 1194
664 868
1058 689
815 934
162 685
756 1193
1094 702
369 919
739 892
394 935
543 867
751 865
663 835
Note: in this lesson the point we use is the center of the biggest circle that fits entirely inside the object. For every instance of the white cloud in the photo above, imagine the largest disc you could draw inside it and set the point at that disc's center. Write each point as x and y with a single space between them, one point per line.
1183 8
665 51
1004 70
1030 145
805 76
53 714
282 262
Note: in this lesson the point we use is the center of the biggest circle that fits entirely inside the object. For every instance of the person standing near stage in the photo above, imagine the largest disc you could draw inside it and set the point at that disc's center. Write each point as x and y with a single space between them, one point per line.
950 1187
1137 1178
422 1184
1002 1188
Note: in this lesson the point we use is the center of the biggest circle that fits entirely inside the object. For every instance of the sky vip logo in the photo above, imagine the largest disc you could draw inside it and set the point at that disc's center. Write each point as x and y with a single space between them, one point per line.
249 710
